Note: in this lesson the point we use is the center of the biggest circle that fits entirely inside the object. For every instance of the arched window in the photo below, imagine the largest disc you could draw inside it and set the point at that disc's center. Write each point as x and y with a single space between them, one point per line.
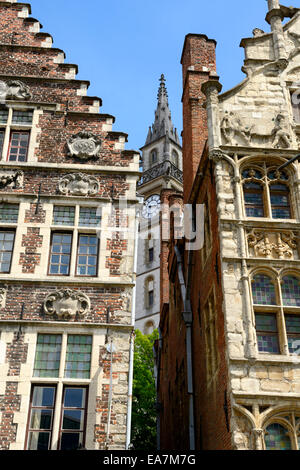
149 292
263 290
277 438
153 157
175 158
266 192
290 289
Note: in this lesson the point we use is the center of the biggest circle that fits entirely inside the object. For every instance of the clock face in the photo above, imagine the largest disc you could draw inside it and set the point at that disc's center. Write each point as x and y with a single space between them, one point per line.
151 207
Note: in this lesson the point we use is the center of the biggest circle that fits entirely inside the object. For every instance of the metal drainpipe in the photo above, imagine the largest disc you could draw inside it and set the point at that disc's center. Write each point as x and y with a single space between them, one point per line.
188 320
132 336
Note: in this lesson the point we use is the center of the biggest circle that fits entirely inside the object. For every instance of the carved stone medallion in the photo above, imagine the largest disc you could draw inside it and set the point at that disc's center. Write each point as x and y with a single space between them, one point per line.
84 146
79 184
12 179
67 303
17 90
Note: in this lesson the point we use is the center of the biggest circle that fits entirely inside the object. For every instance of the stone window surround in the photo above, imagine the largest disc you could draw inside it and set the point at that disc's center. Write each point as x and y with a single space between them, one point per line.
279 309
60 382
9 127
149 282
292 428
253 164
75 230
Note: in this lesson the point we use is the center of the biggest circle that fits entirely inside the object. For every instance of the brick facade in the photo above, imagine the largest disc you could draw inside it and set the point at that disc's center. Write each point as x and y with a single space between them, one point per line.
53 176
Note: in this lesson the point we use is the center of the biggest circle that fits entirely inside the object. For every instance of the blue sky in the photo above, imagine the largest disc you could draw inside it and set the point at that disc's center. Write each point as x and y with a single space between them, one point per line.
123 46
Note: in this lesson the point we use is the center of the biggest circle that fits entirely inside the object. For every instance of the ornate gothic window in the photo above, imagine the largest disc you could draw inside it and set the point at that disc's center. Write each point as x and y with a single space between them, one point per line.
281 432
153 157
266 192
276 303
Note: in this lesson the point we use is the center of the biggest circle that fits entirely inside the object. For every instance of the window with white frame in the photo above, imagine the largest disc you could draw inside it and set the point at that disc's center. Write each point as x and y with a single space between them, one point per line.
61 358
74 246
276 303
266 192
15 130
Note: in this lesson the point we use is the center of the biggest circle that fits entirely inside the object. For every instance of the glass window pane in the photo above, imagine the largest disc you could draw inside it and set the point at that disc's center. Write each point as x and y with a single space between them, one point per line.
73 419
73 360
89 217
60 254
46 344
6 247
74 397
3 115
263 290
266 331
71 441
43 396
276 438
19 146
9 213
22 117
1 140
41 419
290 291
39 441
63 215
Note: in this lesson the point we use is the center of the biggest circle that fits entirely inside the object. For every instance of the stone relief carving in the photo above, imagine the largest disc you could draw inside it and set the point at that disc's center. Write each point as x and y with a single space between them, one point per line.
79 184
126 300
232 127
67 303
84 146
11 179
281 135
224 182
17 90
276 245
234 133
3 291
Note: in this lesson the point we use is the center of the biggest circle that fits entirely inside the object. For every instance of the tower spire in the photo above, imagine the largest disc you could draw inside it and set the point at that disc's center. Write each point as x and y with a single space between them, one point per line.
163 121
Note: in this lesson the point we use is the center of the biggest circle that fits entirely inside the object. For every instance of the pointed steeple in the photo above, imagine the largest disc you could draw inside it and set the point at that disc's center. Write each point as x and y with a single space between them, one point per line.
163 122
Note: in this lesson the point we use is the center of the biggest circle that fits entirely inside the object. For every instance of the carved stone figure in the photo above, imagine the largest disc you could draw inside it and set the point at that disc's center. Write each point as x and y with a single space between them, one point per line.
3 291
257 32
280 133
17 90
84 146
231 126
67 303
11 178
79 184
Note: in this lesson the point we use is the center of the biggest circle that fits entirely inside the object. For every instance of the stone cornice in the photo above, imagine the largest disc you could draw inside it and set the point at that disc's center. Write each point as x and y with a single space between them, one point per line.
71 282
70 325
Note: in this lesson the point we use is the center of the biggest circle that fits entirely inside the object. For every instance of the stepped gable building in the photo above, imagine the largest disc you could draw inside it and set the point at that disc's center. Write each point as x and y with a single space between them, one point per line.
229 363
162 172
66 271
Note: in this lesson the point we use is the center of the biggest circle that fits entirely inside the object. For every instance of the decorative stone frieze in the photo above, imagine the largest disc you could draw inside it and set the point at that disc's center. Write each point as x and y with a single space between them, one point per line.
272 245
84 146
3 291
79 184
17 90
67 303
12 179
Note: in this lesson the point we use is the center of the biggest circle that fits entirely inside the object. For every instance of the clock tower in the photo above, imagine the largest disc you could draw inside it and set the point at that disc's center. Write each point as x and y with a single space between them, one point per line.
162 169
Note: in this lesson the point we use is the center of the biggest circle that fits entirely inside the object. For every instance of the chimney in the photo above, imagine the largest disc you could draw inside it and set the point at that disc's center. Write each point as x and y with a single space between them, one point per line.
198 66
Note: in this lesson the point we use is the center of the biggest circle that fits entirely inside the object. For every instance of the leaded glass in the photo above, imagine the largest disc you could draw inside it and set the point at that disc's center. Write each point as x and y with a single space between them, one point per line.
266 331
290 291
293 333
63 215
263 290
252 173
89 217
9 213
3 116
275 174
280 201
47 356
276 438
78 358
22 117
253 195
